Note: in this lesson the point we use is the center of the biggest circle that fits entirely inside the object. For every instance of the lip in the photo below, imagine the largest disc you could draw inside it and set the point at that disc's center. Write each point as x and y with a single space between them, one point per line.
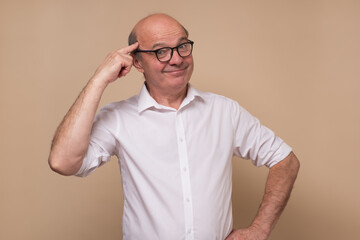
176 71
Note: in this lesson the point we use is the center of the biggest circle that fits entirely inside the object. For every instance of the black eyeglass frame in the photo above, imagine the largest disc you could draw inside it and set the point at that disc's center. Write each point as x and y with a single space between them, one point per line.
171 48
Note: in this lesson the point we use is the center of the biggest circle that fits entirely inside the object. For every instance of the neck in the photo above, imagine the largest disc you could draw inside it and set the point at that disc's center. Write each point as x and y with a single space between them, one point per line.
171 99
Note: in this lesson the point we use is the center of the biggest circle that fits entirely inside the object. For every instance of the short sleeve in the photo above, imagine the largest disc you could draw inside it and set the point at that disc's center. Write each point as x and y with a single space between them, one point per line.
102 143
255 141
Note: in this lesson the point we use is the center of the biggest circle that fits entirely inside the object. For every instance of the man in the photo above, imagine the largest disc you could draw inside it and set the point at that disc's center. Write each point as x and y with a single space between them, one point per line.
174 143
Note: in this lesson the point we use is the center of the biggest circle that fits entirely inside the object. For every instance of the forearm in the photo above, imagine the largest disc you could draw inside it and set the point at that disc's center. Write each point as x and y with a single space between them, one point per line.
279 185
72 137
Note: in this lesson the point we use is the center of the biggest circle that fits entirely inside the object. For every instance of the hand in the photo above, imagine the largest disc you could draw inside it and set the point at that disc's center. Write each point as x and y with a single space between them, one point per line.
117 64
250 233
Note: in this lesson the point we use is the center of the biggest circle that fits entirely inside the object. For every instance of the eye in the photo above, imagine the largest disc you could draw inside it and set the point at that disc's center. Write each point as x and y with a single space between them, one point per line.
162 51
184 46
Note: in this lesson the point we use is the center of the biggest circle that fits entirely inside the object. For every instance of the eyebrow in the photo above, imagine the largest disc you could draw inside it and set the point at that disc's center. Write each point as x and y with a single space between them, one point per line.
163 44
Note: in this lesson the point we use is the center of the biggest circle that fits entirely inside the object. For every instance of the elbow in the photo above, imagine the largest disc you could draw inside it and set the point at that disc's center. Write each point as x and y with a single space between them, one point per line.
62 166
58 167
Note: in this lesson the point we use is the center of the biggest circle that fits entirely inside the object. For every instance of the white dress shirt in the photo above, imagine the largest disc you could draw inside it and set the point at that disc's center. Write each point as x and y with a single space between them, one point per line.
176 164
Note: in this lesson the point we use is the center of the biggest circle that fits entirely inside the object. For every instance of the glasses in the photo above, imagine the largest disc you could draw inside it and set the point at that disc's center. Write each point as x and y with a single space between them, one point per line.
165 54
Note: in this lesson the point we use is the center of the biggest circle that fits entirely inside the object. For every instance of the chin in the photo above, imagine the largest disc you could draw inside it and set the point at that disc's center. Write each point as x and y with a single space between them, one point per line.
179 82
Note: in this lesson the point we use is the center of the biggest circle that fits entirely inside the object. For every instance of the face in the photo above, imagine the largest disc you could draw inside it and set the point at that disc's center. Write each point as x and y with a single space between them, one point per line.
163 77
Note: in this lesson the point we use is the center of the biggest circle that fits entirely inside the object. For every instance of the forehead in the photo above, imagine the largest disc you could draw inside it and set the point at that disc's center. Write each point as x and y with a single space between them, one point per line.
163 31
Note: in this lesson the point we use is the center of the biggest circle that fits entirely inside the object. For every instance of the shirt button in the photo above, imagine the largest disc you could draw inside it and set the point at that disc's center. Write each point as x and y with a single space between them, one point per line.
181 139
188 200
189 231
184 169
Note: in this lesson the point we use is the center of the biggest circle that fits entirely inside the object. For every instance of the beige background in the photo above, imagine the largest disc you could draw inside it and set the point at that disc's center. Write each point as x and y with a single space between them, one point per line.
294 64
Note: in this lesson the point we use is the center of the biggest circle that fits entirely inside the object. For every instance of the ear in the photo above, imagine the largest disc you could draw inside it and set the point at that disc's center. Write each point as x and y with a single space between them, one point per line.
138 64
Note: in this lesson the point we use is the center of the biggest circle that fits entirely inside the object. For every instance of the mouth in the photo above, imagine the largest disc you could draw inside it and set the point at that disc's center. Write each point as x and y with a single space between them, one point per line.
176 72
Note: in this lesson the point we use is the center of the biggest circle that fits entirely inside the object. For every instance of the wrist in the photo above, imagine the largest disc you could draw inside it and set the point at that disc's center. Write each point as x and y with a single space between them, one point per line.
98 83
262 230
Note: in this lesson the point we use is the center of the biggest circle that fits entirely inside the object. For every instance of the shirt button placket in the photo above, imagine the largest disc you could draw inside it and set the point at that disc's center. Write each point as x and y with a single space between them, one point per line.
185 177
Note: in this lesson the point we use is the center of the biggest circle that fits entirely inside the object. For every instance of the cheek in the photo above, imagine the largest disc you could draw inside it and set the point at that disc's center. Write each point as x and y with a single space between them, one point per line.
191 65
157 67
190 60
153 71
153 66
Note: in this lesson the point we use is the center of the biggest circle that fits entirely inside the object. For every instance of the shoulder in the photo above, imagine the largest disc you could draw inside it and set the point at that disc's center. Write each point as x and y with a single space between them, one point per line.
113 109
217 100
225 107
120 105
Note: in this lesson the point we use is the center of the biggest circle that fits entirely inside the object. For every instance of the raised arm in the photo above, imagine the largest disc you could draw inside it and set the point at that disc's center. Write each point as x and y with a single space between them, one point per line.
72 137
279 184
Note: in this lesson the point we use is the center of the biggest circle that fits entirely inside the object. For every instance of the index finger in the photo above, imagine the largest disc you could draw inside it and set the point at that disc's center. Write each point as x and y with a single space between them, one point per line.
129 49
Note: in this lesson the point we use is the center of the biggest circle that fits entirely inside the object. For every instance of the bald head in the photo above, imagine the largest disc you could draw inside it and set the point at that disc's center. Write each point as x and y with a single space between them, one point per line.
153 24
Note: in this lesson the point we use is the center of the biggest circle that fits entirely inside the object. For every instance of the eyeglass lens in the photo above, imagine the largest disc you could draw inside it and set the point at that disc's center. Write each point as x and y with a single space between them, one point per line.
165 54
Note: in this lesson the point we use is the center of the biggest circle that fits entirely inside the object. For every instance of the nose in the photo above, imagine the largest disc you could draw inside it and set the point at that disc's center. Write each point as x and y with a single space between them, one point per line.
176 59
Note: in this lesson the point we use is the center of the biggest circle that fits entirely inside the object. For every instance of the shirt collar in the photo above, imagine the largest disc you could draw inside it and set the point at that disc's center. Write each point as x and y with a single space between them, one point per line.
145 101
